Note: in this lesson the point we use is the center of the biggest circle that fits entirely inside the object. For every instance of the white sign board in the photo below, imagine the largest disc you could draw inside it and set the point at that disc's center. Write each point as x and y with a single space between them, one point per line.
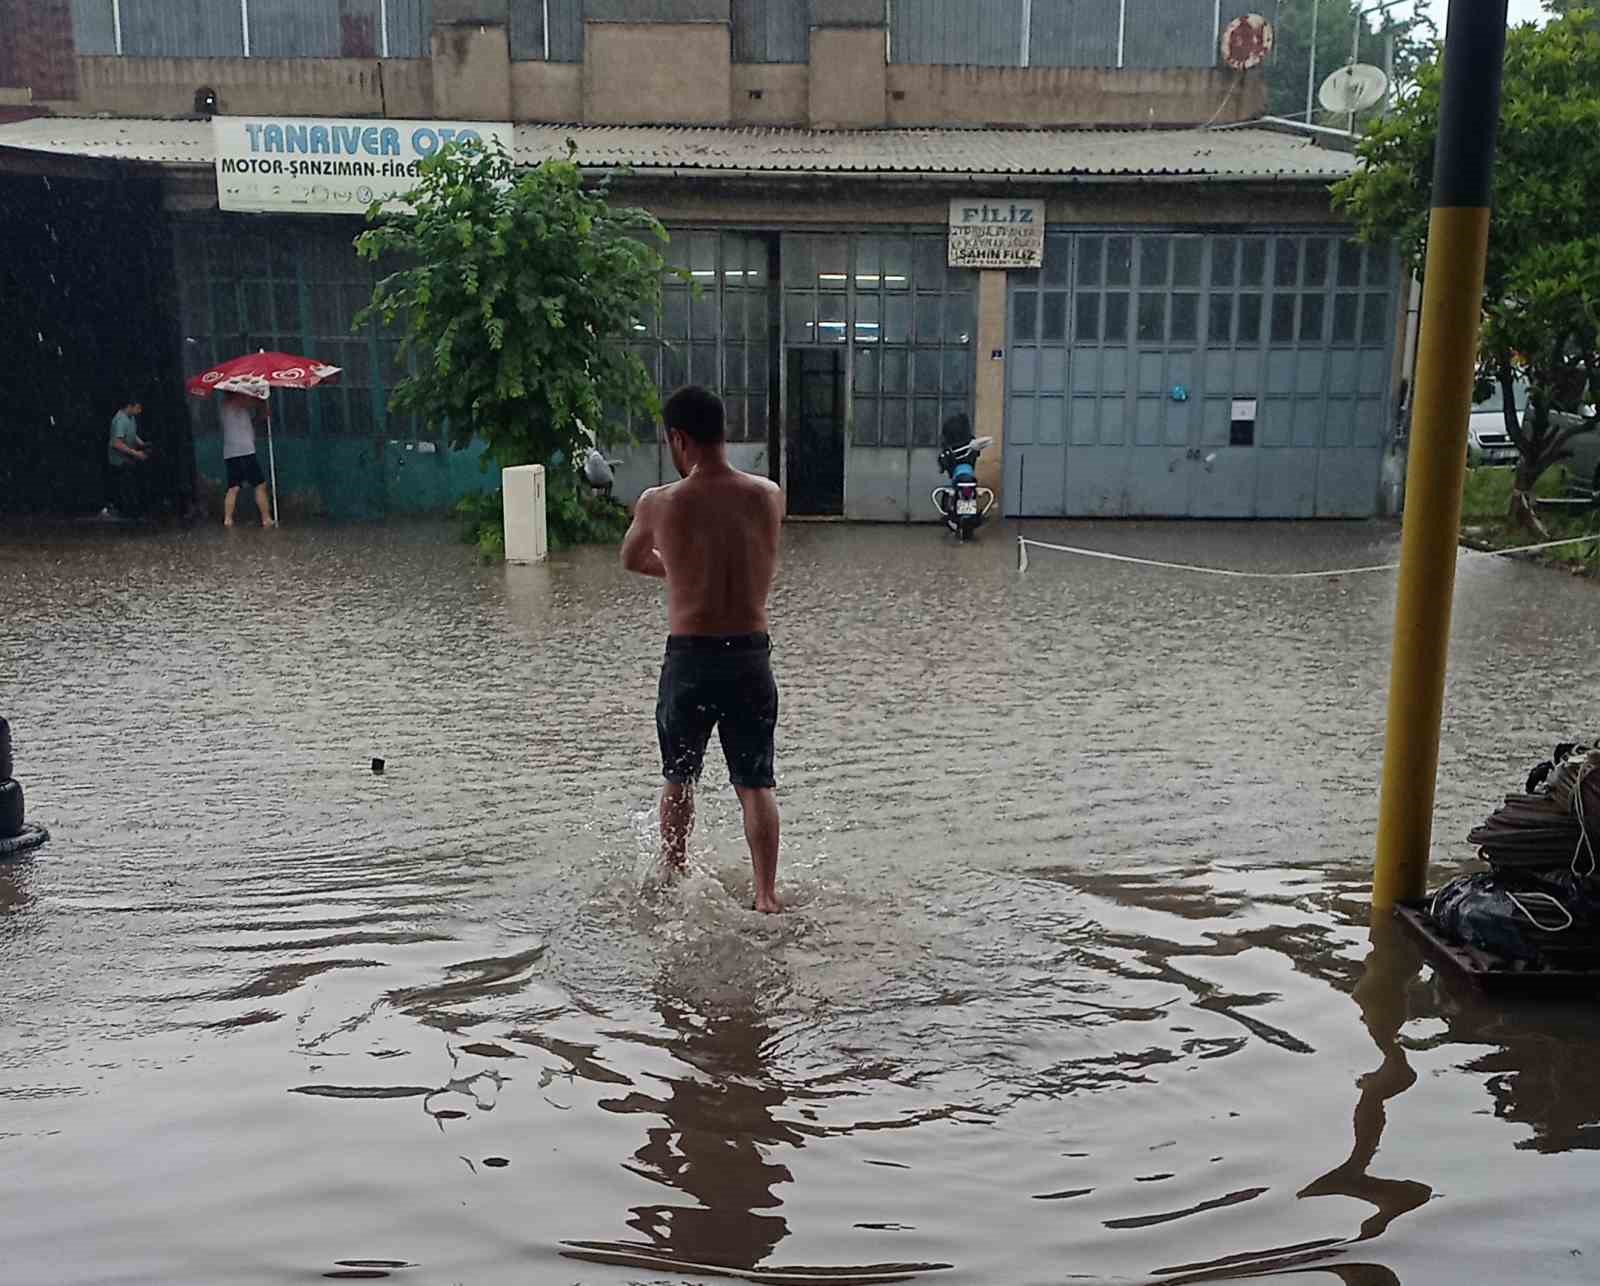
995 232
1243 410
302 165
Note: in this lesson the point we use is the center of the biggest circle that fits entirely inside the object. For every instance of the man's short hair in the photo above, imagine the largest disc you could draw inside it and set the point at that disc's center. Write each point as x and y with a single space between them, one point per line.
697 413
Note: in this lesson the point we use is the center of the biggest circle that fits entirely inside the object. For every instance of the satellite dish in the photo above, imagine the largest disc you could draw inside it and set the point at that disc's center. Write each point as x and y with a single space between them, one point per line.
1353 89
1246 42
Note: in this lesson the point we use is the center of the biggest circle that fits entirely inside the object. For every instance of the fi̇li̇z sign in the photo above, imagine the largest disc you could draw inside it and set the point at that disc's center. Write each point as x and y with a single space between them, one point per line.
993 233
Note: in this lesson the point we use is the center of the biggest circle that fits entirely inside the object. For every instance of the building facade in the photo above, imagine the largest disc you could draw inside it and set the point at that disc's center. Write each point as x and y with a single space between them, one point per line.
1200 336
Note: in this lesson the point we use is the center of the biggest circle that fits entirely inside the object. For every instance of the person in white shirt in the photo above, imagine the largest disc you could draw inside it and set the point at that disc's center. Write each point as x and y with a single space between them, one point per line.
239 415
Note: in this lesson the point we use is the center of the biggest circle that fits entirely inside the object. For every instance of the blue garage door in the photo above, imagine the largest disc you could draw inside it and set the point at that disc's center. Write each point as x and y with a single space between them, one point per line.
1185 374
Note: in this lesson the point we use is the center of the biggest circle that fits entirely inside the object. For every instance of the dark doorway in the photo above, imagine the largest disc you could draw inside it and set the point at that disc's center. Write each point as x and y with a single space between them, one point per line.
86 326
814 441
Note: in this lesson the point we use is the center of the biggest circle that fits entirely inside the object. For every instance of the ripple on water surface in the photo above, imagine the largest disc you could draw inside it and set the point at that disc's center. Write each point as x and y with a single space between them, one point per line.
1074 984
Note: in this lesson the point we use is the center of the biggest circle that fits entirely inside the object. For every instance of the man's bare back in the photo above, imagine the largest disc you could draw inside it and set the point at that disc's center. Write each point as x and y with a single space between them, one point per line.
714 538
716 533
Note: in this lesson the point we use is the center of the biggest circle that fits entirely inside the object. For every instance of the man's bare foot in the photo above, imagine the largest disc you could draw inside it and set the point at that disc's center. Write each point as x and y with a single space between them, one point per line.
227 522
768 905
267 522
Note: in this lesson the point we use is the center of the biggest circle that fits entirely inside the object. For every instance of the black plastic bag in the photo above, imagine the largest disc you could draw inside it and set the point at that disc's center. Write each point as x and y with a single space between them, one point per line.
1545 919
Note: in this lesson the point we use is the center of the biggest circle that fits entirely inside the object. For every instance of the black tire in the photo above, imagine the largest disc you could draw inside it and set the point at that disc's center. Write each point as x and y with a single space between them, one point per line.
10 809
31 838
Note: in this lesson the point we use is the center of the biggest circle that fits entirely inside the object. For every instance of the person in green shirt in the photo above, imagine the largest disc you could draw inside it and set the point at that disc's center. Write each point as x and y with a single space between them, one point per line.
124 453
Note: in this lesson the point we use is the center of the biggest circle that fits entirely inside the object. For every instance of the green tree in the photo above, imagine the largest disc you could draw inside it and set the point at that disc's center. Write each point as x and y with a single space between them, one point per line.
517 293
1542 287
1290 65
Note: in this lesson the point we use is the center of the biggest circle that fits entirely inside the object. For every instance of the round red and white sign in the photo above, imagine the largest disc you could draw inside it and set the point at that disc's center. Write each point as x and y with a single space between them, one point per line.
1246 42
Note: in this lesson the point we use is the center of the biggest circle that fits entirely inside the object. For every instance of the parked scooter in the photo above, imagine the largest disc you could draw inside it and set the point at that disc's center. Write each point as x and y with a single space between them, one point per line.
597 471
963 505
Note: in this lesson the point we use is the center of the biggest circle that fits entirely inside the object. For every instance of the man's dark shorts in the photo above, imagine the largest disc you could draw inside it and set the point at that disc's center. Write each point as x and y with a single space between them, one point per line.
724 683
244 471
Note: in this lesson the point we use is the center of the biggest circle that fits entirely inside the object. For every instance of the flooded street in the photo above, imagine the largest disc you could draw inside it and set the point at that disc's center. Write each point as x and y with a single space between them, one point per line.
1077 864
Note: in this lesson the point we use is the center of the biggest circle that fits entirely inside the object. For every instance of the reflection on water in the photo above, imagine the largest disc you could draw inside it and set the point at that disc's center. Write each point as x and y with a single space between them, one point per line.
710 1141
1381 993
1077 984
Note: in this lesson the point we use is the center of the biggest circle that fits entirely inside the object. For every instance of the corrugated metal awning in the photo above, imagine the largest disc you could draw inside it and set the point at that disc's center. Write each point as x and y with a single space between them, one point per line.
106 138
1242 154
1235 154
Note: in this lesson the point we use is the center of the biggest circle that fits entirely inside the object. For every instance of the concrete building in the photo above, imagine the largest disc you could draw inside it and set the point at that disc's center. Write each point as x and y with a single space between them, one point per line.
1193 333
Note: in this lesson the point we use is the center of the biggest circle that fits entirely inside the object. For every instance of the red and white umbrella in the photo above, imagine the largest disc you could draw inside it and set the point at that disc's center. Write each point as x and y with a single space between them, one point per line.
256 375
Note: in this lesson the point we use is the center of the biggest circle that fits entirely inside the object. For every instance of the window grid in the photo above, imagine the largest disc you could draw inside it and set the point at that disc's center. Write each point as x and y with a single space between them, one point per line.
1144 34
286 288
277 28
1248 316
1321 291
713 328
909 319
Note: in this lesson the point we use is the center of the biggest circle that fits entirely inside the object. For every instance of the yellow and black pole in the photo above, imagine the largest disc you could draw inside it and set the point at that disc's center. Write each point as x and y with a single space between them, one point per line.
1458 238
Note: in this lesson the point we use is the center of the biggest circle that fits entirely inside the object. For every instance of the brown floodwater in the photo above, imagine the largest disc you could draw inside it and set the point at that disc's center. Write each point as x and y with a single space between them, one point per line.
1076 984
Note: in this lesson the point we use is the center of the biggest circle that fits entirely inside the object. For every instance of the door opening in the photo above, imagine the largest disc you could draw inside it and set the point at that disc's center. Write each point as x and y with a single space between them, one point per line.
814 437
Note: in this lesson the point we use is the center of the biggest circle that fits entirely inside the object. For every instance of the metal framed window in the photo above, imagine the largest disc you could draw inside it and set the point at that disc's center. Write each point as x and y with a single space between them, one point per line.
957 32
909 323
1145 34
294 286
1265 315
713 330
252 28
771 31
546 30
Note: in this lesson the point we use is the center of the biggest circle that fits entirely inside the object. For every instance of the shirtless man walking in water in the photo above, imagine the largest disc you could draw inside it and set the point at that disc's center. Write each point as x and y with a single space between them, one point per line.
714 539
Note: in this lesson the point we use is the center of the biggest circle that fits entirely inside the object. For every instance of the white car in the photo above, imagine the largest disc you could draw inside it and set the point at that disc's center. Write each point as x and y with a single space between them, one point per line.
1488 443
